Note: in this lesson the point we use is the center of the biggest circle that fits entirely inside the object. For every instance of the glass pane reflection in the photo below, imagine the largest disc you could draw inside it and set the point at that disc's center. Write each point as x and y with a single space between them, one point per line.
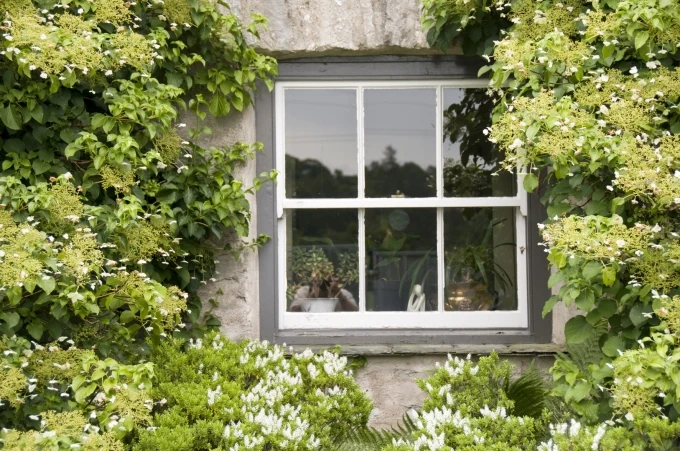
322 260
470 158
480 259
400 142
321 143
401 256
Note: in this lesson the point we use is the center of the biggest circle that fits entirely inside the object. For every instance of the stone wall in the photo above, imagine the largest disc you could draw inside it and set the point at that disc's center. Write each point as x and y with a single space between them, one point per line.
303 28
237 287
390 382
299 28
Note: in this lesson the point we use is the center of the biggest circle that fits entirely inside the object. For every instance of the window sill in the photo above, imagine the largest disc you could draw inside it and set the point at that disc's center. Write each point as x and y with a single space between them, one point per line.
410 350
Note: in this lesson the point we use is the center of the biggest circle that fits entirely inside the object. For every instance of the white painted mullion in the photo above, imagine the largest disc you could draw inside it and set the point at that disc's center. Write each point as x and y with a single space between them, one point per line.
440 143
361 174
441 269
360 191
362 260
522 270
407 202
282 281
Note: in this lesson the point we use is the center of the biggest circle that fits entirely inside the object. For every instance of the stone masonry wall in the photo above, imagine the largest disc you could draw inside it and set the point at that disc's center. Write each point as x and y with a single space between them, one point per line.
303 28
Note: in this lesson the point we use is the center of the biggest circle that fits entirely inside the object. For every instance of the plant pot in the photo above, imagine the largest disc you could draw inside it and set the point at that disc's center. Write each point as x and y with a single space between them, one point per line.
468 296
319 305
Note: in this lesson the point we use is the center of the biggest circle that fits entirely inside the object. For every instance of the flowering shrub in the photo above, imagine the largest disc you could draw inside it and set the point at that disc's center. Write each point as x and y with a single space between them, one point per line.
587 107
224 395
70 395
108 203
468 409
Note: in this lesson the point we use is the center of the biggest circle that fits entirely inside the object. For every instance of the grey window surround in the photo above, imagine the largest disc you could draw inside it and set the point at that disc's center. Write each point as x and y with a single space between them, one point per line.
381 68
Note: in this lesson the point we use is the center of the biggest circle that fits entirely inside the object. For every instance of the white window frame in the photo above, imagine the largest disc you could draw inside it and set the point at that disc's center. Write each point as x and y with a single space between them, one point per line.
440 319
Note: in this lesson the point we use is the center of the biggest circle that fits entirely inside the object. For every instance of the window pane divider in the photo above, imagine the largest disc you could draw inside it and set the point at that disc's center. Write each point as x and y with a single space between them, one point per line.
439 125
361 179
422 202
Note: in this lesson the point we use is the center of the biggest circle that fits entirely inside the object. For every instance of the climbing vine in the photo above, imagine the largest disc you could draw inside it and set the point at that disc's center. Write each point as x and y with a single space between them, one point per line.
587 109
110 204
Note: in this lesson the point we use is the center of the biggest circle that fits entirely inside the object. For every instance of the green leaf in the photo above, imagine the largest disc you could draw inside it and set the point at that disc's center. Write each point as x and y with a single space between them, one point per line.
592 270
616 203
585 300
85 391
189 196
549 305
530 182
11 117
98 374
37 113
78 381
126 317
10 318
612 345
47 284
184 276
637 312
533 129
641 39
605 309
40 167
36 329
556 278
578 330
218 105
608 276
578 391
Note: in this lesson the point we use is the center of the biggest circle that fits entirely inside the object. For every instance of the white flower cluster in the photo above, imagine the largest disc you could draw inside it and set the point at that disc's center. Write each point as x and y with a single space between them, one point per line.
267 415
430 423
574 433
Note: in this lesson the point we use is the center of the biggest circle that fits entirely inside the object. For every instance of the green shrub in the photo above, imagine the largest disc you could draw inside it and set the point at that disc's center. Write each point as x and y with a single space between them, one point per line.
587 111
108 202
472 407
218 394
468 409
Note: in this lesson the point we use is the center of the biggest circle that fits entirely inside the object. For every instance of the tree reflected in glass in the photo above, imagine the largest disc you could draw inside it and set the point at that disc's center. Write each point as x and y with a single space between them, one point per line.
470 159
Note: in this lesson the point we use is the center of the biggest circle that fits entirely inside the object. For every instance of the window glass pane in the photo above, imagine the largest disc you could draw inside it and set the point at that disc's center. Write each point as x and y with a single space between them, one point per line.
322 260
470 158
401 259
480 259
400 142
321 143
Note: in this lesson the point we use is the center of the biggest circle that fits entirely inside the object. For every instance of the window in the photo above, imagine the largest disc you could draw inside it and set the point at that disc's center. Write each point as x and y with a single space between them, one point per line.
390 212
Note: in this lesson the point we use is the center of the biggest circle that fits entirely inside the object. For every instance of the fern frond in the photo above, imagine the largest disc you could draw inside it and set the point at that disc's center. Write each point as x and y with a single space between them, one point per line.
529 393
369 439
588 352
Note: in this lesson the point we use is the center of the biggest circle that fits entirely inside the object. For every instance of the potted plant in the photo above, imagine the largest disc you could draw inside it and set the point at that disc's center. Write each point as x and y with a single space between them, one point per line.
317 285
471 273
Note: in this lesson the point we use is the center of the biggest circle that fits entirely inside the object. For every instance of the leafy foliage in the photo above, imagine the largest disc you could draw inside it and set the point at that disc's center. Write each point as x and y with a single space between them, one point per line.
110 206
224 395
587 106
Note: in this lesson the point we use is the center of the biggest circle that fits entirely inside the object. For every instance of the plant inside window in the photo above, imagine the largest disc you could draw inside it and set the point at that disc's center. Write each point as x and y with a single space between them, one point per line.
318 285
